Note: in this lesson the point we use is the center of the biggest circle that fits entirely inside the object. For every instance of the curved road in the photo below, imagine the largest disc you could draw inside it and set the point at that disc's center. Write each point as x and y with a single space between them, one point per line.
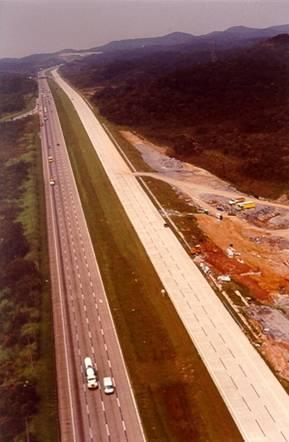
82 320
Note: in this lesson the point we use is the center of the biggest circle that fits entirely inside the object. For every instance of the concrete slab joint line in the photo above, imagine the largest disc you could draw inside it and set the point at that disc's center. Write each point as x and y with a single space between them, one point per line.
254 425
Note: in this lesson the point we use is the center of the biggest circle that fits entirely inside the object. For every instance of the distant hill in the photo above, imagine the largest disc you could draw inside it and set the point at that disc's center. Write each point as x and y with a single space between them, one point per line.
175 38
226 110
232 38
236 36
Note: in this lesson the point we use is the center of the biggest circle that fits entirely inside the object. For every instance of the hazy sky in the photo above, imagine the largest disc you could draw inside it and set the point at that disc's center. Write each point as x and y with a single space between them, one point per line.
28 26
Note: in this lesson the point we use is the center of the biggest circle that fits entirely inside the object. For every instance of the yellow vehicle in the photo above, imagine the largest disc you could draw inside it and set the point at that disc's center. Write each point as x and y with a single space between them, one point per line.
246 205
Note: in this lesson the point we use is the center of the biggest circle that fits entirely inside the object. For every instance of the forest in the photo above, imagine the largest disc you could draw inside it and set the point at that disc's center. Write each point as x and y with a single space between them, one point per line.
227 106
15 91
22 282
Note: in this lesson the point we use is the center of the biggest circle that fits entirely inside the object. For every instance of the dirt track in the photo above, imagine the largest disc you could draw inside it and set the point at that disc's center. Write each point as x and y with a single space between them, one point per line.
259 236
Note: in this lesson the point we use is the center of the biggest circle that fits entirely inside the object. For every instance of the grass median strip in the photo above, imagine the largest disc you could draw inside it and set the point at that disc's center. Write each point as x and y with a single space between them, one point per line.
175 395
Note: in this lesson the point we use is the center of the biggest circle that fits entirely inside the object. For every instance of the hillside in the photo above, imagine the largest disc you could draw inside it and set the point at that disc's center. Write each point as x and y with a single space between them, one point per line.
226 111
16 92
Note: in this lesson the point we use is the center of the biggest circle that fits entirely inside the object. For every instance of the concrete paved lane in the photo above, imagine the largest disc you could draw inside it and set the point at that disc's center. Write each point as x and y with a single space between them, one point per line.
95 416
254 397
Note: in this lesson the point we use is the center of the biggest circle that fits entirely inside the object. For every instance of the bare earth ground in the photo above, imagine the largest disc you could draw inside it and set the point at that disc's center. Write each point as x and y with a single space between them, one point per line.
259 239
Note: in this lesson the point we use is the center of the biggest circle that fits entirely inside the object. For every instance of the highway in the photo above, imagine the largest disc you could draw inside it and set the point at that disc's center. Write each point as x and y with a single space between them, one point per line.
255 398
83 324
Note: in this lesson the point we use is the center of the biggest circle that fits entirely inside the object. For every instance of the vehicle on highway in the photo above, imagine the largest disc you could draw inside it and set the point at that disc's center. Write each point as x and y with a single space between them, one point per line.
108 385
50 159
57 144
90 374
52 181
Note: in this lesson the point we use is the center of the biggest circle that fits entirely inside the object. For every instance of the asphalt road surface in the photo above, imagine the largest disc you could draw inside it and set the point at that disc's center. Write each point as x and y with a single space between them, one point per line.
83 324
255 398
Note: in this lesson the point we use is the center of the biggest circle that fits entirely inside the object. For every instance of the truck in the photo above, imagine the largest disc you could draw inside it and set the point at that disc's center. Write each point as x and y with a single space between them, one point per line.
246 205
90 374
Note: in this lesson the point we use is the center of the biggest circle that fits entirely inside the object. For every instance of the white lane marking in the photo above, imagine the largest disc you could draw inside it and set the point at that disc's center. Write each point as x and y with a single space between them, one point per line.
123 425
84 308
103 407
105 346
107 430
117 401
89 334
87 320
109 363
102 332
87 409
113 325
92 349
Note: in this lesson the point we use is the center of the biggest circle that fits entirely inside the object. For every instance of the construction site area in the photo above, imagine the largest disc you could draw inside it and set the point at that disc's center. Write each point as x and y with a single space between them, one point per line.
240 243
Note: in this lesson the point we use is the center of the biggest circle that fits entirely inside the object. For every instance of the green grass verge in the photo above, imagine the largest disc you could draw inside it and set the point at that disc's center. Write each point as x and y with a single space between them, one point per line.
176 397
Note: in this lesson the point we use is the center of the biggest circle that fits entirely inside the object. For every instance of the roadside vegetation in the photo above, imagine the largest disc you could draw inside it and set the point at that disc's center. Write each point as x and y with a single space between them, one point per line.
17 94
228 114
28 409
175 395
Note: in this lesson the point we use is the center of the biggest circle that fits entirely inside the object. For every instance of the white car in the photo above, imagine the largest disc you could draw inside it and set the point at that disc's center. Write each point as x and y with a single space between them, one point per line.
90 374
52 181
108 385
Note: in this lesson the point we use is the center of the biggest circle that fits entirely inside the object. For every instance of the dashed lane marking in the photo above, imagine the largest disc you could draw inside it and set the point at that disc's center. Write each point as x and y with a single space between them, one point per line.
260 428
255 390
246 403
268 411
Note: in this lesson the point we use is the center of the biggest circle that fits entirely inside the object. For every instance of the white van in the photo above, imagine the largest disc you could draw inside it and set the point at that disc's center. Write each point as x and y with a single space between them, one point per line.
90 374
108 385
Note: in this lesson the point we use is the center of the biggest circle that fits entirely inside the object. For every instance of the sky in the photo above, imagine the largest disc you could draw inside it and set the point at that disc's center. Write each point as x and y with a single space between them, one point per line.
37 26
